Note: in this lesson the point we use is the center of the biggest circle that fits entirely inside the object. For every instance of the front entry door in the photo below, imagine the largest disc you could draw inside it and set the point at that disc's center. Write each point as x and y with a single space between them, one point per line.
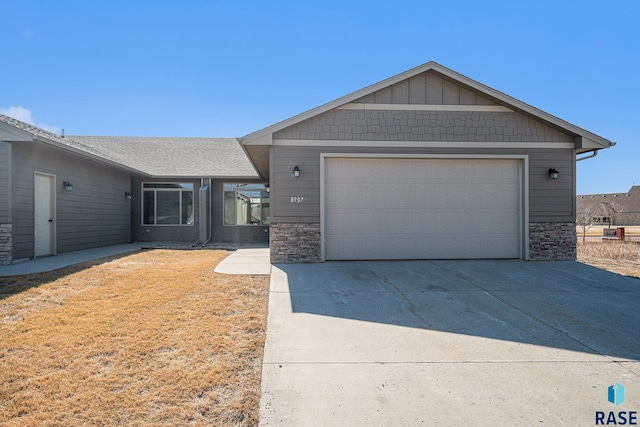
44 227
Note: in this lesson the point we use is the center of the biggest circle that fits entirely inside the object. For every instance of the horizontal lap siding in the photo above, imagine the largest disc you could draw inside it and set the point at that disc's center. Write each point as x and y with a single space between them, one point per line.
552 200
549 200
96 213
4 182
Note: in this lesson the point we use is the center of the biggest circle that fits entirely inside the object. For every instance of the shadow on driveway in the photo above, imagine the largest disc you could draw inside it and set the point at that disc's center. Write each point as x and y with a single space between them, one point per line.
563 305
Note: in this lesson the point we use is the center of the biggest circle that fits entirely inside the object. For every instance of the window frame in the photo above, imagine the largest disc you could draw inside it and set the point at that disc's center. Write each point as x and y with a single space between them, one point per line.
180 192
261 204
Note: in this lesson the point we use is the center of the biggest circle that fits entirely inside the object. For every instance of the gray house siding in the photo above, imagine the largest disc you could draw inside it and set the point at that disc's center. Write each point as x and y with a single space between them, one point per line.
426 88
549 200
386 125
6 227
5 189
96 213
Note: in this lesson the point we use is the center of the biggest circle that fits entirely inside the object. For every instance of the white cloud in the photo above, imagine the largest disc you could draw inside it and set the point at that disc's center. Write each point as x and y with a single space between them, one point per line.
27 34
24 115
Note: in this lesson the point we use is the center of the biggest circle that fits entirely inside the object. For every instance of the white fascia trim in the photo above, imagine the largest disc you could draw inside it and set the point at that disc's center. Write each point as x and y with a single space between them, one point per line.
524 176
426 107
421 144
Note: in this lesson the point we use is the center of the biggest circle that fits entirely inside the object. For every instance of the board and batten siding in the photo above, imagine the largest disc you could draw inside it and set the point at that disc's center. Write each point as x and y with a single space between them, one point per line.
96 213
549 200
426 88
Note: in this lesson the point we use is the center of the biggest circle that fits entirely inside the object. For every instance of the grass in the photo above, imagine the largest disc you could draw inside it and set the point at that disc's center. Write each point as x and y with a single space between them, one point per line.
616 256
151 339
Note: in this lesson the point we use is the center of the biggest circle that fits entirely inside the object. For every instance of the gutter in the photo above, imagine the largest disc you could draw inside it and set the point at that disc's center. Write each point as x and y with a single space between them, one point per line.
595 153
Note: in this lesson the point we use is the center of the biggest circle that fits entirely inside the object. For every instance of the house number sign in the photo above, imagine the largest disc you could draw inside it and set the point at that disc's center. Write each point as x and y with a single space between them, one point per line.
297 199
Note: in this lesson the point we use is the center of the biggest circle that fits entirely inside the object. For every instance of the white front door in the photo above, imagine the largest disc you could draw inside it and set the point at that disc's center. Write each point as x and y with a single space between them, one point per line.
44 221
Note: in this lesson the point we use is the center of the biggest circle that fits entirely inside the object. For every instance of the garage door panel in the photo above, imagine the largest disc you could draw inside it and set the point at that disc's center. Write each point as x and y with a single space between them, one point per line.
421 208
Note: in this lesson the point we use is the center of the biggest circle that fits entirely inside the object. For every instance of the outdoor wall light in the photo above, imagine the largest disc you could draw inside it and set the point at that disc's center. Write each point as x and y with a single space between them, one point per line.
553 174
68 185
267 188
127 195
296 171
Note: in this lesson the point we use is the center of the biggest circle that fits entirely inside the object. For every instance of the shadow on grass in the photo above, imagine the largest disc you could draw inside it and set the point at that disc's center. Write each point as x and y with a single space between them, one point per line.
12 285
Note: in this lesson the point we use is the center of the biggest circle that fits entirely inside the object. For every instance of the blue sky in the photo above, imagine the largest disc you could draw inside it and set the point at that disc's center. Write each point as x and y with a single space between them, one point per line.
210 68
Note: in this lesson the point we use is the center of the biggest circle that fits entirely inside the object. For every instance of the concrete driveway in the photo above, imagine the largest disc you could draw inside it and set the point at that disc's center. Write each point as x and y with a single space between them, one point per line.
476 343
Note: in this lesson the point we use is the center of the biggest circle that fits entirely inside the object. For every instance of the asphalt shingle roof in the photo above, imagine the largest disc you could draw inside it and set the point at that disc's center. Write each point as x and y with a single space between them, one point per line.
175 156
625 202
157 156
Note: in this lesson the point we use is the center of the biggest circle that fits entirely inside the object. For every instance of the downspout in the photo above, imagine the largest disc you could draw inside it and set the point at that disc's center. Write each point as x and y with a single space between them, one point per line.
208 216
209 221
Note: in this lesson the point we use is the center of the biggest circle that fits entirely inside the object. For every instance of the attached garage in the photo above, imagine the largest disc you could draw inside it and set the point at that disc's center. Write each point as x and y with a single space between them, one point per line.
422 208
427 164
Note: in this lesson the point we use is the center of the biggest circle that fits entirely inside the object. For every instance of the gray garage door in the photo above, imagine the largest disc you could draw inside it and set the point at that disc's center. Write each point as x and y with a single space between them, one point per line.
379 208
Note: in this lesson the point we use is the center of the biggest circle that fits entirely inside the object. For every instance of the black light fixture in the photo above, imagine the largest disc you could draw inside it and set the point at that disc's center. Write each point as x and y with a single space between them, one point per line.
553 173
68 185
296 171
127 195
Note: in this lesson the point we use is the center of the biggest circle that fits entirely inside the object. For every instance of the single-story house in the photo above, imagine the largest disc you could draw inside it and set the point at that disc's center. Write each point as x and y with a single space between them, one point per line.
428 164
619 209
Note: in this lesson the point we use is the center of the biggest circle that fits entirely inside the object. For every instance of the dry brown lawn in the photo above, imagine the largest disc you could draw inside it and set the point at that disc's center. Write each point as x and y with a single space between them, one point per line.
616 256
151 339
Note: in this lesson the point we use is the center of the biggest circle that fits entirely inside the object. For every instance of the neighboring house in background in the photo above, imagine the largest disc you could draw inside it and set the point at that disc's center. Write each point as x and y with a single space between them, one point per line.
615 209
428 164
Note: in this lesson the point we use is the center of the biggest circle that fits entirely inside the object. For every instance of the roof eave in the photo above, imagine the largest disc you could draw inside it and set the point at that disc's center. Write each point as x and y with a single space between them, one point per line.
88 155
12 134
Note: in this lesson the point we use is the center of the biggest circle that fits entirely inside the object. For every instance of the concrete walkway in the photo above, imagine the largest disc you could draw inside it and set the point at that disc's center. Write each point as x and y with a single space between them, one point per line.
50 263
249 259
253 261
473 343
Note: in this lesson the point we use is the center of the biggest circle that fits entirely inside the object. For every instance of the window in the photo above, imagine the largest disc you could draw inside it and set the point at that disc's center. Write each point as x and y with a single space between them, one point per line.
246 204
167 203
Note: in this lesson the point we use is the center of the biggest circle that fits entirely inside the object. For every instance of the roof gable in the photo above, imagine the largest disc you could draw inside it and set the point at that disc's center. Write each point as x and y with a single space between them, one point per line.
431 83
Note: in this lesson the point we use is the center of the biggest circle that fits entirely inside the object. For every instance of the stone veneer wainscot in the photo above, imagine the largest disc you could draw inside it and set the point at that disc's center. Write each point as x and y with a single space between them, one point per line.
550 241
6 244
294 242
